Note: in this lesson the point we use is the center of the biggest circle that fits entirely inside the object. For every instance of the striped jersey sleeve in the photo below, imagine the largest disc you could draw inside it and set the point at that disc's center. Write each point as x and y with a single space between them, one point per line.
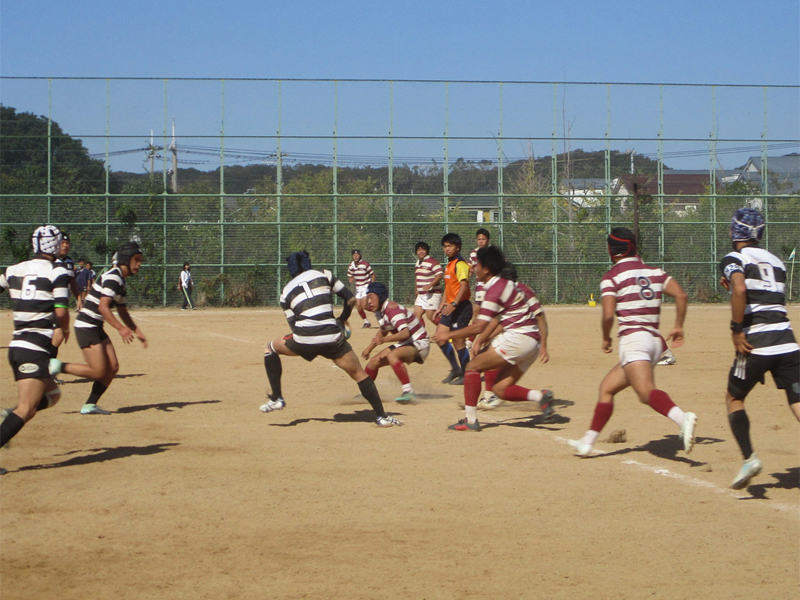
425 271
395 317
766 323
638 289
110 284
505 301
532 299
307 303
361 273
36 287
473 258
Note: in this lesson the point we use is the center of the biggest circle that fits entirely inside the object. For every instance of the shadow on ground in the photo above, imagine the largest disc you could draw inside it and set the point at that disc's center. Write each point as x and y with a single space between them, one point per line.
163 406
667 448
788 480
533 422
87 380
103 455
360 416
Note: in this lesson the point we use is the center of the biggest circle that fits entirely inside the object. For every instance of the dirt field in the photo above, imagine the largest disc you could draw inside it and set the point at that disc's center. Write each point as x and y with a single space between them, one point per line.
188 491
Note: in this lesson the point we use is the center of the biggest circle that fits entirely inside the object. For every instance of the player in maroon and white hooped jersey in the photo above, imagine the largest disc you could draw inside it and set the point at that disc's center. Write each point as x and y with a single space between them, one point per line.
482 238
428 275
633 290
490 399
360 274
397 324
512 352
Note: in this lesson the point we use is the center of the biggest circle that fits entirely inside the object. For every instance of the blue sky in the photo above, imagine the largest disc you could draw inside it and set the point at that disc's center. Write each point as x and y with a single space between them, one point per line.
697 42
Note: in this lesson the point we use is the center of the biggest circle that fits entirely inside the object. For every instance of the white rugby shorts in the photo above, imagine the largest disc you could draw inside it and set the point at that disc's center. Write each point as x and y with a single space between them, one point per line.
517 349
429 301
361 291
640 345
423 346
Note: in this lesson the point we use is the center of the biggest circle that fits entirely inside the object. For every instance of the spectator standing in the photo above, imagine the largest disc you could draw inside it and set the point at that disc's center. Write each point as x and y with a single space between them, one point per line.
186 286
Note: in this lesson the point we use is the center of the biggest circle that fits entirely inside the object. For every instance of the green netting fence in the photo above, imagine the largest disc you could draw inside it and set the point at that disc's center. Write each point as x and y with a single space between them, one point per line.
382 180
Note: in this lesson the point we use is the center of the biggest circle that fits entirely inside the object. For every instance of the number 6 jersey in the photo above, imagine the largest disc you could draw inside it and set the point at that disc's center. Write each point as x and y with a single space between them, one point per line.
638 288
36 287
766 325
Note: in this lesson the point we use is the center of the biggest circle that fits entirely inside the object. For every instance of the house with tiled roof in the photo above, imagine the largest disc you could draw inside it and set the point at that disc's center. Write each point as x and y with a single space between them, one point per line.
783 173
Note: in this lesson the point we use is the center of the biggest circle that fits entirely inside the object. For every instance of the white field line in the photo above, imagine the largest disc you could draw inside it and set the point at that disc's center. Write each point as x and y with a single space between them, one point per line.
692 481
139 317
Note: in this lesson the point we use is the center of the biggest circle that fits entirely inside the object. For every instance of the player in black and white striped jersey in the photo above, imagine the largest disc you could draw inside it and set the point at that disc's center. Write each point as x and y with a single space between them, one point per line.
108 291
64 261
307 302
39 294
762 334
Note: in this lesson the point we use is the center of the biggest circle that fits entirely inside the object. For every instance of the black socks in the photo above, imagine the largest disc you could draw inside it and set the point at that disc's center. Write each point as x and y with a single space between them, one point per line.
370 392
272 363
740 426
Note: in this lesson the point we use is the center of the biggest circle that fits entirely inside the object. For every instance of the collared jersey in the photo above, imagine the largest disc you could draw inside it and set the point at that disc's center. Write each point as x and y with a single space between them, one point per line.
638 288
425 271
766 324
506 301
361 272
394 317
456 271
36 288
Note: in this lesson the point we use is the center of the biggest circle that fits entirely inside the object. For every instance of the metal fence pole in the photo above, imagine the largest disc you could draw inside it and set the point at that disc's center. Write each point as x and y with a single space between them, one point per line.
279 189
335 177
446 167
221 192
49 149
554 187
500 192
390 184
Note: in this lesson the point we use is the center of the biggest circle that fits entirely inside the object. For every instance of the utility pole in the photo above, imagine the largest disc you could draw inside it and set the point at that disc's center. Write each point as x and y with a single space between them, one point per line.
174 149
151 154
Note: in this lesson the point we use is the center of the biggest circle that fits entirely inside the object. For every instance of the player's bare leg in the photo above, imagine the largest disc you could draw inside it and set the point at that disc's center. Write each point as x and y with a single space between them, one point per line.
397 358
640 374
613 383
504 385
101 365
32 395
361 304
350 365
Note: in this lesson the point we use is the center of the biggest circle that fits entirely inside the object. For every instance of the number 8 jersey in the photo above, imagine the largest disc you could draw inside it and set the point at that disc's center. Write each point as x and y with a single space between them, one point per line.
36 287
638 288
766 324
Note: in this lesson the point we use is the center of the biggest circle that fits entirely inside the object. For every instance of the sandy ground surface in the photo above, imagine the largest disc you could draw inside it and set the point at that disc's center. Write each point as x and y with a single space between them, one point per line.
188 491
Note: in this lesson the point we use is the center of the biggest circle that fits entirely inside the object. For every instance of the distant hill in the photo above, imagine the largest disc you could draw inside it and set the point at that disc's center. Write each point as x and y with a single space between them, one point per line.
464 177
